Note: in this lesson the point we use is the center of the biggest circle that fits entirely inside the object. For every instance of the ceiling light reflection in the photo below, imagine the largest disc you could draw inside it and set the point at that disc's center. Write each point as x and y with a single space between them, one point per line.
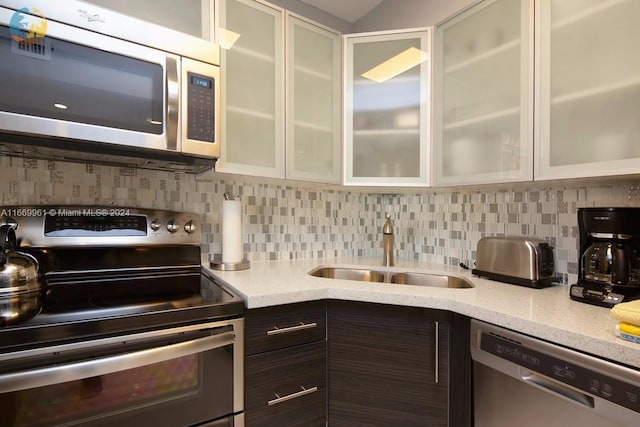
227 38
396 65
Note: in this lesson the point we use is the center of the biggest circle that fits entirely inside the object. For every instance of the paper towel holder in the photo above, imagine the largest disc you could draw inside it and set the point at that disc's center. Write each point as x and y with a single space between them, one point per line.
217 264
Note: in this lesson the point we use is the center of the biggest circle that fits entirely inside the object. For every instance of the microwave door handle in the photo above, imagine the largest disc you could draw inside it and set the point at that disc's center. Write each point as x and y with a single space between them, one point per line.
56 374
173 99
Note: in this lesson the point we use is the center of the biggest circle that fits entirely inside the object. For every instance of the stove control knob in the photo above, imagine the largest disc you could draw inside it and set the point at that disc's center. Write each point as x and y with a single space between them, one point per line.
190 227
155 225
172 226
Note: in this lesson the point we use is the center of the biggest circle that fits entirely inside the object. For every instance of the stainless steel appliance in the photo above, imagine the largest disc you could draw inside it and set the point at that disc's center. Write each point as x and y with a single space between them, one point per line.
609 263
186 28
93 94
518 260
524 381
19 281
132 330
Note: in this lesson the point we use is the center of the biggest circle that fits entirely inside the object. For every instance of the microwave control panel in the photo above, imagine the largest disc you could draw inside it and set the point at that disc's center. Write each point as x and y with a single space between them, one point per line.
201 108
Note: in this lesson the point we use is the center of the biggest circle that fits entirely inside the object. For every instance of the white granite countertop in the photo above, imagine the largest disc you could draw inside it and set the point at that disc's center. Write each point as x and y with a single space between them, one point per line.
545 313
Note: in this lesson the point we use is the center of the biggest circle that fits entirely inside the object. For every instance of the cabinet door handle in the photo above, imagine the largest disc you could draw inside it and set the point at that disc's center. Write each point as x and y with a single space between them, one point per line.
437 354
300 327
302 392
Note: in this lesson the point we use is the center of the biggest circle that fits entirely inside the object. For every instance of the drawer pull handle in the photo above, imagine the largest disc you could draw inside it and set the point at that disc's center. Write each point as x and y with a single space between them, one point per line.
300 327
302 392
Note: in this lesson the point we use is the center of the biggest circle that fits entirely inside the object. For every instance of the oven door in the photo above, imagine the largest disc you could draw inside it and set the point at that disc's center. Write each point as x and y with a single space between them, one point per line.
184 376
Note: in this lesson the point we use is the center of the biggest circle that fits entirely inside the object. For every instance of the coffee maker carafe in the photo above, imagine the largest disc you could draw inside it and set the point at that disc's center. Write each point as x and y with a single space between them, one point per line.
609 263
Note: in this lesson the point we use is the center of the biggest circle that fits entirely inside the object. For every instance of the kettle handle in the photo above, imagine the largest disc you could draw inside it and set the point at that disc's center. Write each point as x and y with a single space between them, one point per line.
7 241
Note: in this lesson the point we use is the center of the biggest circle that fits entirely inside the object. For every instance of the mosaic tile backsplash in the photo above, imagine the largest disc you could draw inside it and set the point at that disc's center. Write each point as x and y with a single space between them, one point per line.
293 220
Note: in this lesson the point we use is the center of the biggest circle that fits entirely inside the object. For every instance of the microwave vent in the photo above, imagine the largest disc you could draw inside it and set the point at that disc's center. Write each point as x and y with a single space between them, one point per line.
13 145
40 49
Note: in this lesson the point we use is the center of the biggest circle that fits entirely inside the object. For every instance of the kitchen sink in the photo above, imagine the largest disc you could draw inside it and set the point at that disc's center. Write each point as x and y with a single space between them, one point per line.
434 280
397 278
361 275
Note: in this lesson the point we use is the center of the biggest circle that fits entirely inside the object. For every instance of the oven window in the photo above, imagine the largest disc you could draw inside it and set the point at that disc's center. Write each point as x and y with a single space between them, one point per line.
117 392
181 391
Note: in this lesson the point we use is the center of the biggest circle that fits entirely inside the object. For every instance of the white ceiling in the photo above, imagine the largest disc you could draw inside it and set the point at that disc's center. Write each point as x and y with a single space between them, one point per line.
349 10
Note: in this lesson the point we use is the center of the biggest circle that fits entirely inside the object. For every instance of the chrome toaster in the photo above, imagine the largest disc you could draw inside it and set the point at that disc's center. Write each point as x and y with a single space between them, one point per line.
521 261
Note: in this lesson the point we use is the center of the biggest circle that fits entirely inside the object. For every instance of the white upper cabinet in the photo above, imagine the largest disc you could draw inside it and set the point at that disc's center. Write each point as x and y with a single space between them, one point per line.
386 108
314 149
483 95
280 94
589 83
251 35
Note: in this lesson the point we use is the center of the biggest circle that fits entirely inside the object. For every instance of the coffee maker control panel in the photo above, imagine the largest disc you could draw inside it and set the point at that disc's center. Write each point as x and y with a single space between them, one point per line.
595 296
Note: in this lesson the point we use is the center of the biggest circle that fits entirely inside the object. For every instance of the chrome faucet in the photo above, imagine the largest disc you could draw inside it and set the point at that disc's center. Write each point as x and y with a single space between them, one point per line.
387 243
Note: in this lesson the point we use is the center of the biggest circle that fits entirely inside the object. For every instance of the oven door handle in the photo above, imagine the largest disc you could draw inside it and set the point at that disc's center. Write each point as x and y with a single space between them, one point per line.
42 377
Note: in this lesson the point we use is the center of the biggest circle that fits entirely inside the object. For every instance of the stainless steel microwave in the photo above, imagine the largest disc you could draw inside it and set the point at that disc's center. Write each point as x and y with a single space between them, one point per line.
76 94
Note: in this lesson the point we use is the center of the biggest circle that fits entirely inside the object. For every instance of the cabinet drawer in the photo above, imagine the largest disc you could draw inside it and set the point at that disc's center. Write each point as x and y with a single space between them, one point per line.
282 326
287 387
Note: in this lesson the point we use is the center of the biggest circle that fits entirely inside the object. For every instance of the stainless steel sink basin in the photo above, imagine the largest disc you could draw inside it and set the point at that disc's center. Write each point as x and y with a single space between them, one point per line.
433 280
348 274
398 278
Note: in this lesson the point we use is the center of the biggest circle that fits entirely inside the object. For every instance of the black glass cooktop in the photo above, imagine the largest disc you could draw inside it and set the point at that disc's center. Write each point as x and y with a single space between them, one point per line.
97 310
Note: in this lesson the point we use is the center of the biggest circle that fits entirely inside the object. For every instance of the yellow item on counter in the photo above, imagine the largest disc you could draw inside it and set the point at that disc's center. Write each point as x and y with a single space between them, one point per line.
628 312
628 328
625 336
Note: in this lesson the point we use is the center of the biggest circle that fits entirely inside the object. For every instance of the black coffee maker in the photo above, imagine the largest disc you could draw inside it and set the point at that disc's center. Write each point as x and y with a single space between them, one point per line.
609 264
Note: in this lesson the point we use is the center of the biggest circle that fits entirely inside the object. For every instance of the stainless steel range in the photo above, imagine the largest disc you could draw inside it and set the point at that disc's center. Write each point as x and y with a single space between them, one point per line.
129 330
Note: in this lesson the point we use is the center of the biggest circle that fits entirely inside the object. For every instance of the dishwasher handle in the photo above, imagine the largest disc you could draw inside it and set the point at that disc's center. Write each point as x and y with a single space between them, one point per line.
555 387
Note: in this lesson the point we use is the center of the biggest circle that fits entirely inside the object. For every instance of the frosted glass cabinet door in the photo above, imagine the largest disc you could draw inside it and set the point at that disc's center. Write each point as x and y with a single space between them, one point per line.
589 78
484 94
386 116
252 127
314 148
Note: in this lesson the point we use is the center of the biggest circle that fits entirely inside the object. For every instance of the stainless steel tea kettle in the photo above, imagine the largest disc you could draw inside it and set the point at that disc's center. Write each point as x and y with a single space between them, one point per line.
19 281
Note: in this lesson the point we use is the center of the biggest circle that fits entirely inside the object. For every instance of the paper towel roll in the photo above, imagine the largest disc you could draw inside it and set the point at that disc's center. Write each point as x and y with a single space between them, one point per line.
231 231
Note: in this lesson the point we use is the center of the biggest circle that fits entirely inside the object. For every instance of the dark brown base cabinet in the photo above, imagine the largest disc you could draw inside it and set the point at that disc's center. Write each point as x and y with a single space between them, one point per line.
286 366
397 366
351 364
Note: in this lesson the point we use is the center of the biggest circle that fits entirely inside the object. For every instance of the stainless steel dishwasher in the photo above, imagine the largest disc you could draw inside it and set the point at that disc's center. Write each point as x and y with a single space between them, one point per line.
524 381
